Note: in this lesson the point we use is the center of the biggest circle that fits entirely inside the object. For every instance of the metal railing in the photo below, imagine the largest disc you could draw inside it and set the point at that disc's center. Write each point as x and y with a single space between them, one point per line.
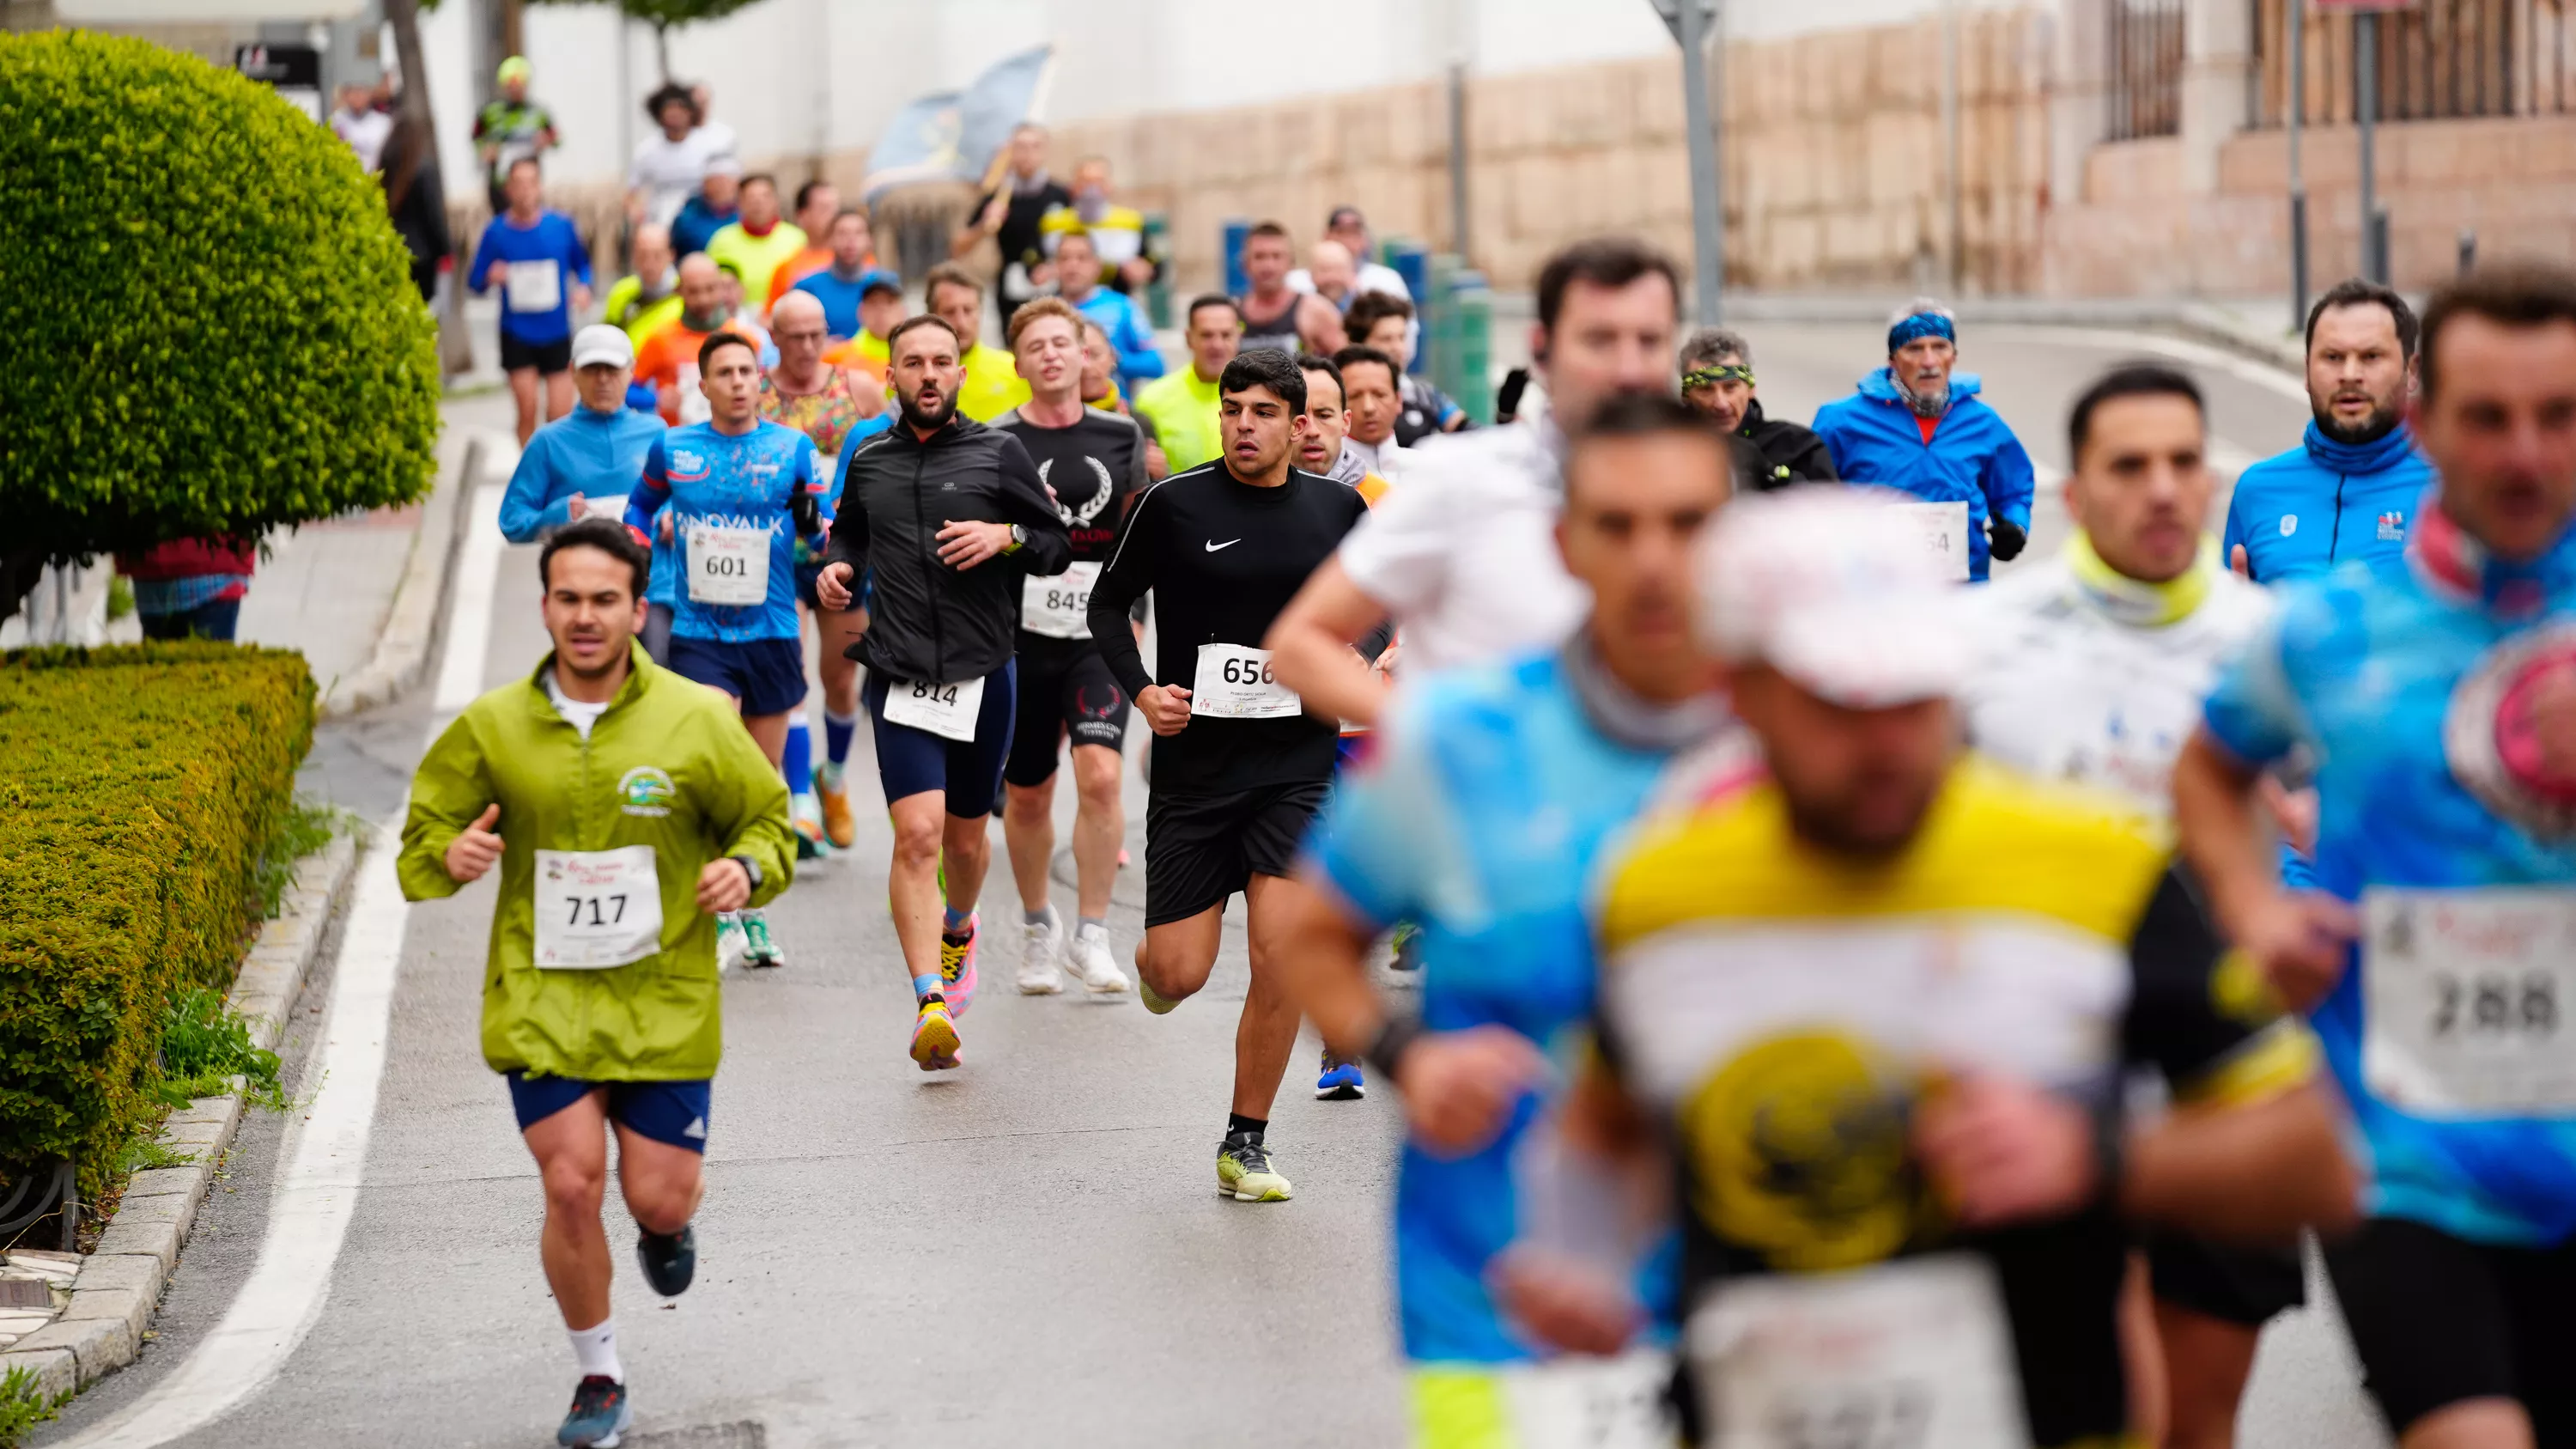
2442 60
2145 68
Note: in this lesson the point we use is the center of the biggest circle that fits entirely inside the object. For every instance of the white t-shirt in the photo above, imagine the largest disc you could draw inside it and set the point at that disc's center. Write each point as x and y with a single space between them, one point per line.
365 131
580 714
669 171
1463 551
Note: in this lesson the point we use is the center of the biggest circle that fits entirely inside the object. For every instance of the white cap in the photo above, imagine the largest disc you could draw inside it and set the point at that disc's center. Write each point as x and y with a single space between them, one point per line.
1837 590
602 345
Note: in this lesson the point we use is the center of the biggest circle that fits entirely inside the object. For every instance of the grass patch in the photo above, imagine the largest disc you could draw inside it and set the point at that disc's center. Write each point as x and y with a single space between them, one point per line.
307 828
23 1406
144 1154
204 1045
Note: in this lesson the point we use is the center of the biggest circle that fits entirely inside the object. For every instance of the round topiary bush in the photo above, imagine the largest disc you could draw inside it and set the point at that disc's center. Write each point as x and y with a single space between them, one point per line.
210 323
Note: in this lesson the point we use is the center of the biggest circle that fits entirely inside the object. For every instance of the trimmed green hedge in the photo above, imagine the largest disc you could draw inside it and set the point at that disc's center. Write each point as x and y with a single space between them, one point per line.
139 787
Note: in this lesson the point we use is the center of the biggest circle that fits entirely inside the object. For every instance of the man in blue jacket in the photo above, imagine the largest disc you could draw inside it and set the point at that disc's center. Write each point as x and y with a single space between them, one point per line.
589 459
1078 281
2350 488
1915 427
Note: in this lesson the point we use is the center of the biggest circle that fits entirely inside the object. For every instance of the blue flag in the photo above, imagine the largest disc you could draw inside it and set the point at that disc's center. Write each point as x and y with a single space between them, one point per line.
919 144
955 135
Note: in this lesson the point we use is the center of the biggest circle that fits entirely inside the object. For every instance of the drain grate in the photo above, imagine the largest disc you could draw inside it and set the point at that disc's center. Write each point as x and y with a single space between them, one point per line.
746 1435
24 1293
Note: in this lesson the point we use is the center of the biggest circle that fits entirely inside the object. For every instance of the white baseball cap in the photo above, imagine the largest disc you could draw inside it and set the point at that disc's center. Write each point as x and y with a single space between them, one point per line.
600 345
1837 590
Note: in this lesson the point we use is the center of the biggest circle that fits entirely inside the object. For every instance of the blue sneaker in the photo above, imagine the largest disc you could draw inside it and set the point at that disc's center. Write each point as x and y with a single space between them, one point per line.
600 1413
669 1263
1341 1080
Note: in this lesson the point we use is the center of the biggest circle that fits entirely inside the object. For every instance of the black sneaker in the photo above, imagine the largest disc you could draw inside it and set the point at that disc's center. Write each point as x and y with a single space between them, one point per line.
600 1413
669 1263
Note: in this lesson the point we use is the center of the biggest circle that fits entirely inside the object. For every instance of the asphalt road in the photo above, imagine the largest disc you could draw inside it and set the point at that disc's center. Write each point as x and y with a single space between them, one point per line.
1024 1251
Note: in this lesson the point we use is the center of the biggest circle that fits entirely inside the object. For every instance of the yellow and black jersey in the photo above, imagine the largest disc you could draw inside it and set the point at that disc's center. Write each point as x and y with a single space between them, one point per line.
1782 1012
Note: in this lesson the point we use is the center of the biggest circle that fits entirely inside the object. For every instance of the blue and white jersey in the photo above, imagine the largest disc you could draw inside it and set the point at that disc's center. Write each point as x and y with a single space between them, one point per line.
726 492
2414 680
1478 816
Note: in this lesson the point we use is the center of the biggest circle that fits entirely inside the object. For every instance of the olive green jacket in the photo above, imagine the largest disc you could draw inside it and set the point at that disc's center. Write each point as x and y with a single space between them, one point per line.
668 765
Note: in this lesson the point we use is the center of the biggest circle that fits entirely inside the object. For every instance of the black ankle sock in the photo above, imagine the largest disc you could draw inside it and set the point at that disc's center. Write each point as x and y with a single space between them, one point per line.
1238 1125
929 997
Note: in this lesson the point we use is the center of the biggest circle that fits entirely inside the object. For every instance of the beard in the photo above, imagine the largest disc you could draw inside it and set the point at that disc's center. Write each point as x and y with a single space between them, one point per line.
2385 415
1926 399
913 416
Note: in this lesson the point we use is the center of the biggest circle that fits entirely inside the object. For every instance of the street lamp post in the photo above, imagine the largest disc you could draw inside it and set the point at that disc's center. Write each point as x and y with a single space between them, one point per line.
1690 22
2297 108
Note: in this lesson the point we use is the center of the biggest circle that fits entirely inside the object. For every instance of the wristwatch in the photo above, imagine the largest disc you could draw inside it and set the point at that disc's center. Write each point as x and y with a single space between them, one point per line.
750 867
1019 536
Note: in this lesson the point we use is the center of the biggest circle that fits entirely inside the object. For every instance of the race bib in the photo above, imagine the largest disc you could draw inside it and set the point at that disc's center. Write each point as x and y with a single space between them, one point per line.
1060 607
1916 1352
1945 534
945 710
2465 994
1234 682
1592 1403
533 286
597 908
728 565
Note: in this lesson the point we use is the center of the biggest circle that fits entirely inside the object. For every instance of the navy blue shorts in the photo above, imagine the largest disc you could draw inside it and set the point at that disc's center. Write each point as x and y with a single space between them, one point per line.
767 675
969 772
672 1112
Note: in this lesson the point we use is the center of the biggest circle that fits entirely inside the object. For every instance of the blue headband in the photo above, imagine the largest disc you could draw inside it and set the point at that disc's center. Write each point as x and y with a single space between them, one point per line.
1921 324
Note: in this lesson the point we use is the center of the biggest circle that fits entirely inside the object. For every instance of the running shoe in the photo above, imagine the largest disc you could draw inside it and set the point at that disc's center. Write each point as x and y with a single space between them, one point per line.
1089 960
1041 944
1408 946
808 819
957 966
934 1038
731 941
760 953
599 1414
839 825
669 1263
1145 994
1341 1080
1244 1173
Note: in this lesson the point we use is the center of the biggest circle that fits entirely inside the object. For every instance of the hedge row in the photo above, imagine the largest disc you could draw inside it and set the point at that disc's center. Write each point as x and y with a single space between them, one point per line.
138 789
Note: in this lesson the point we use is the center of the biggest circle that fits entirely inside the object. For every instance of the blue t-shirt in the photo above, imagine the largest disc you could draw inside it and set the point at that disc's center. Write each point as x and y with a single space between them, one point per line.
1479 817
539 265
2402 675
840 298
2325 503
729 481
594 454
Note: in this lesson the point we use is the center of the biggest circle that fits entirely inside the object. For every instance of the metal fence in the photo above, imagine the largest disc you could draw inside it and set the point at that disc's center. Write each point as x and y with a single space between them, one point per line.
2145 68
2441 60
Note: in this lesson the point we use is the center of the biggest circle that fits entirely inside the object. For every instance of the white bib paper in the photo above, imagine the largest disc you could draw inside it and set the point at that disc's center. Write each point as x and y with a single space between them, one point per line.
728 565
1915 1352
1060 607
1945 534
1592 1403
597 908
945 710
1234 682
533 286
2465 994
694 407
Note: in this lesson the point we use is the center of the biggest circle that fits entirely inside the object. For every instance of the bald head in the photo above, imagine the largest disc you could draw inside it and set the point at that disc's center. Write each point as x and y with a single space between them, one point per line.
796 324
652 250
702 285
1330 264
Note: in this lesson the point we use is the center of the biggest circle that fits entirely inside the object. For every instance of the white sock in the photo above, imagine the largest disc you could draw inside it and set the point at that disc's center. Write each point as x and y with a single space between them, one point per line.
596 1348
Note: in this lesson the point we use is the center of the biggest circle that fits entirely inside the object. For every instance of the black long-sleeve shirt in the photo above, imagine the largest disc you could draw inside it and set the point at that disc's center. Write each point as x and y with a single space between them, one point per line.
1222 558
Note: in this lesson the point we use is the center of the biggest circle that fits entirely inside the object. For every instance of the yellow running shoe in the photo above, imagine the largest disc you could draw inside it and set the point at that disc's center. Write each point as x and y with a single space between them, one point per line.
934 1038
1244 1173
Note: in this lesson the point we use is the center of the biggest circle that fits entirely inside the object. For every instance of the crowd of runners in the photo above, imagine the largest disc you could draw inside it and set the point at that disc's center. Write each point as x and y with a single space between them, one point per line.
1848 1002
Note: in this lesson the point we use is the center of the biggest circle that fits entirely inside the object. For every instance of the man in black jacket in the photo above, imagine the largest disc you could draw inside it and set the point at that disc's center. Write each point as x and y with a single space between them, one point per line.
1717 379
944 517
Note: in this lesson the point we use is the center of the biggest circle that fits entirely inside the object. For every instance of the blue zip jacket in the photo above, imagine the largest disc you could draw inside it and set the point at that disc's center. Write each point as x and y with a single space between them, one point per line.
597 455
551 244
1139 360
1973 456
697 225
2324 503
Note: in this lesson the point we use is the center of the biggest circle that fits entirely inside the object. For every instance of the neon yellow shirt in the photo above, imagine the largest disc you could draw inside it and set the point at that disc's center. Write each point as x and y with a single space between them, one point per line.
627 308
756 257
1184 412
992 387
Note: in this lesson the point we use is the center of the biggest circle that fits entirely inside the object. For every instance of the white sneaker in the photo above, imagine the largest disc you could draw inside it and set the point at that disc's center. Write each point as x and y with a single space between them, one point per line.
1040 946
731 942
1089 960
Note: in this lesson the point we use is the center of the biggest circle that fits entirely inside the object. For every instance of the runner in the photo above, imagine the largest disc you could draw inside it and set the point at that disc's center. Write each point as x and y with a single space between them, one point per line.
832 406
1093 463
1117 234
511 129
758 242
667 361
739 492
1324 446
1012 217
626 811
1241 766
586 461
669 165
818 210
881 308
2096 664
1078 266
1182 406
646 298
1100 390
2348 489
716 205
991 387
1275 315
1914 427
1717 379
1435 828
1463 556
1375 397
1881 1000
945 555
1385 322
2432 689
537 260
842 282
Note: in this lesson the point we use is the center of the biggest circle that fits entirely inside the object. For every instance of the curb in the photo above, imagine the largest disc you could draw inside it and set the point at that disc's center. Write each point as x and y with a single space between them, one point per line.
119 1285
410 635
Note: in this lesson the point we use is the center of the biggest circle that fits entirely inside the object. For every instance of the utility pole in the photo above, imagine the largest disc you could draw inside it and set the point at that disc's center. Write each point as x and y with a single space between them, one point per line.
1951 105
1690 22
2365 108
2297 117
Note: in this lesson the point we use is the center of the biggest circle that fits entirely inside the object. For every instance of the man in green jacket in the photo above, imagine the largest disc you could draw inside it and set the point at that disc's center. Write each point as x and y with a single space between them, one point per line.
626 807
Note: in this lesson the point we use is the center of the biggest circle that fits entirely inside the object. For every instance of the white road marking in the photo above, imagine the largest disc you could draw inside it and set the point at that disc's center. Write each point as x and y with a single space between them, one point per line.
325 1153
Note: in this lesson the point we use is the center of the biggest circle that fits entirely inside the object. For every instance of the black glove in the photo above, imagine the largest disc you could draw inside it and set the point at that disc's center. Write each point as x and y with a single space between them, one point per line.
2004 540
1507 399
807 511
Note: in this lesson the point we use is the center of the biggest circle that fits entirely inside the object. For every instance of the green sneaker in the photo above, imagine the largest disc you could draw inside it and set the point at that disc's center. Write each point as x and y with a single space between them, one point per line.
760 953
731 942
1244 1173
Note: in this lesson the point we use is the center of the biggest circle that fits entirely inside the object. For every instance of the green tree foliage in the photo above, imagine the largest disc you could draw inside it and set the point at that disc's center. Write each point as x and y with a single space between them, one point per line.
211 323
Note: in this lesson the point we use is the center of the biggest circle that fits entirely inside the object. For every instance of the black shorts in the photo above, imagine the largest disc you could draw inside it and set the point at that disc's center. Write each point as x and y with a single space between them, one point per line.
914 761
548 358
1199 849
1072 693
767 675
2243 1286
2437 1320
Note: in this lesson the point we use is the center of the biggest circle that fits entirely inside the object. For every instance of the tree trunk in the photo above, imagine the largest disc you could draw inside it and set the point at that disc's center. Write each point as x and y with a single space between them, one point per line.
19 571
404 17
662 48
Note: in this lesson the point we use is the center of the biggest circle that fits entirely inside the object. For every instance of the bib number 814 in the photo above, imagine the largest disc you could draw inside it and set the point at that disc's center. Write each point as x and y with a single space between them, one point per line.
939 694
2494 1003
1246 671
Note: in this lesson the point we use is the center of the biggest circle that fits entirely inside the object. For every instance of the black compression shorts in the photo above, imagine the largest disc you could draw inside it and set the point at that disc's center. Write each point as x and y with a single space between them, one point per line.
1062 692
2437 1320
1200 849
2243 1286
544 358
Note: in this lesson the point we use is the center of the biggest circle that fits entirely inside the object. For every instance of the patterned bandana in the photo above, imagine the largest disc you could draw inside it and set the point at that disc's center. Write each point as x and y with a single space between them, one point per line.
1699 377
1921 324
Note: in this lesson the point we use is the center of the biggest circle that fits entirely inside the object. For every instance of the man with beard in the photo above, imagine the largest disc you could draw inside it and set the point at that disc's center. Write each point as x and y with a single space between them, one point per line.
1914 427
947 516
2350 488
1717 379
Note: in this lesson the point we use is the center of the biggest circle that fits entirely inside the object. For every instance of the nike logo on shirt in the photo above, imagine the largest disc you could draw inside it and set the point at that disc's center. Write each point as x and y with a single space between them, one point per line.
1229 543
